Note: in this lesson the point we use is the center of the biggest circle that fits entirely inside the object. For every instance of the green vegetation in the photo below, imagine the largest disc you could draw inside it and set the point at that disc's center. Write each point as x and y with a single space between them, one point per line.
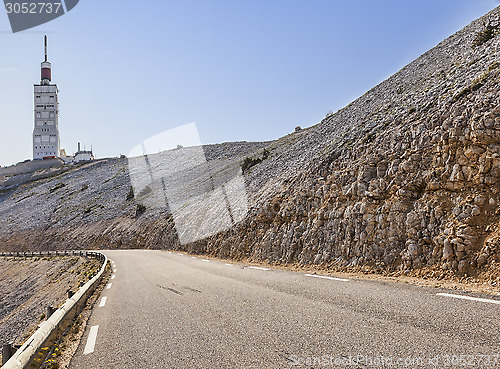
250 162
493 66
130 194
368 137
485 35
477 83
140 210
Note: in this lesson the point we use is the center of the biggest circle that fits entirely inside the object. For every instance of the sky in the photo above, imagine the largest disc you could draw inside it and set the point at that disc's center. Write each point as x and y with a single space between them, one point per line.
243 70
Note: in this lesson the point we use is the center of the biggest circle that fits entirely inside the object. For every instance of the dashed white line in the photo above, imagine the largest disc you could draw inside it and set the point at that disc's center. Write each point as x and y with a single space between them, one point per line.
112 277
327 277
89 347
259 268
204 260
181 254
114 271
109 286
469 298
103 301
194 257
228 264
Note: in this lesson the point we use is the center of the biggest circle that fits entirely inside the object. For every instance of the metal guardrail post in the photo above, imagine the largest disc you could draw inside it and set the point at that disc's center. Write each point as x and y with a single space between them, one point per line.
7 352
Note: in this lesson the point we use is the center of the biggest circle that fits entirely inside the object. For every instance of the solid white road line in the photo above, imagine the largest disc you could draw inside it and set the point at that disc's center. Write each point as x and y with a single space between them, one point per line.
469 298
109 286
103 301
327 277
89 347
112 277
259 268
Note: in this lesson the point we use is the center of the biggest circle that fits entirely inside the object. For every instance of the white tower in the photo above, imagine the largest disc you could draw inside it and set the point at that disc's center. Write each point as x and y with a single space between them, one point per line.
46 132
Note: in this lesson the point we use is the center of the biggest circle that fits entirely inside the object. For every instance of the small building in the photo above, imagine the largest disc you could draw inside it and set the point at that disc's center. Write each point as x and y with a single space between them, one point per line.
83 155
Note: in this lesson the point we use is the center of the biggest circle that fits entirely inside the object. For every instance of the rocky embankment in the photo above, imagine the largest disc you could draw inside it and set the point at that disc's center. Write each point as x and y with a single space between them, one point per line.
29 285
407 177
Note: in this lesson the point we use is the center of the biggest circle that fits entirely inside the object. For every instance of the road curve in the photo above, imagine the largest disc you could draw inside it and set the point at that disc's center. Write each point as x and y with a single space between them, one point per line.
170 310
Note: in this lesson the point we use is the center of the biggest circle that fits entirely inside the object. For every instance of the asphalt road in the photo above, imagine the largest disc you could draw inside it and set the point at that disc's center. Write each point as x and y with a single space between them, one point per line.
170 310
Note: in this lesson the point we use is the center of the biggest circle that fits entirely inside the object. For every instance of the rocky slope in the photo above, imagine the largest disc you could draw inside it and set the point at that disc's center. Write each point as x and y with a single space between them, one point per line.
405 177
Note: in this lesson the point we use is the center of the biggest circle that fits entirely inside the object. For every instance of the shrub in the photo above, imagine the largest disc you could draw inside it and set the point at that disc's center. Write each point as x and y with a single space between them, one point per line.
130 194
265 154
250 162
140 210
485 35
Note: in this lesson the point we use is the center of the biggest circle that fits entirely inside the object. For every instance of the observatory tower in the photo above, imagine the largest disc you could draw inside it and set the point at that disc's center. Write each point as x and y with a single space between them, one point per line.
46 131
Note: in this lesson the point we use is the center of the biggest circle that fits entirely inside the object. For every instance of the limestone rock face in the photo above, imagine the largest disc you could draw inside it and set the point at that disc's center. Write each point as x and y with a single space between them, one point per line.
406 176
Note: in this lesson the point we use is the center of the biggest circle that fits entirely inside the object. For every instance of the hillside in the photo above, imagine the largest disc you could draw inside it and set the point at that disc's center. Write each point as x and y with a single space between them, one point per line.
405 177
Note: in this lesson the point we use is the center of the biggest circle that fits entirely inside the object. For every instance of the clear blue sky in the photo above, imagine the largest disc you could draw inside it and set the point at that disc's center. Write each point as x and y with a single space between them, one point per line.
242 70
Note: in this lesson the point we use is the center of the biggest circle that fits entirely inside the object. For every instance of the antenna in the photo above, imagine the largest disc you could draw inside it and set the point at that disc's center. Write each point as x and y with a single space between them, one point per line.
45 47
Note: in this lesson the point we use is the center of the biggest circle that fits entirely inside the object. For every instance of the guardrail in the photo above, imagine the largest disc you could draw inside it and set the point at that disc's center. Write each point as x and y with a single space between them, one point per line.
30 354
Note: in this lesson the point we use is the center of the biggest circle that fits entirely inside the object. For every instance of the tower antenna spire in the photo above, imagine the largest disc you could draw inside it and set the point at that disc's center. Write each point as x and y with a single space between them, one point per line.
45 47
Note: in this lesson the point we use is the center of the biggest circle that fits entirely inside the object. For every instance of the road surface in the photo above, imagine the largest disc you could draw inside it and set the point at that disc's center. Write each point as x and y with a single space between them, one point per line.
170 310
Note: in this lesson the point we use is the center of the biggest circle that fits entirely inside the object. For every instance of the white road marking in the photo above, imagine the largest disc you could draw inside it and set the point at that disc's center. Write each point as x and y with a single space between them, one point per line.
103 301
114 271
469 298
113 276
169 252
89 347
109 286
259 268
327 277
204 260
194 257
229 264
181 254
